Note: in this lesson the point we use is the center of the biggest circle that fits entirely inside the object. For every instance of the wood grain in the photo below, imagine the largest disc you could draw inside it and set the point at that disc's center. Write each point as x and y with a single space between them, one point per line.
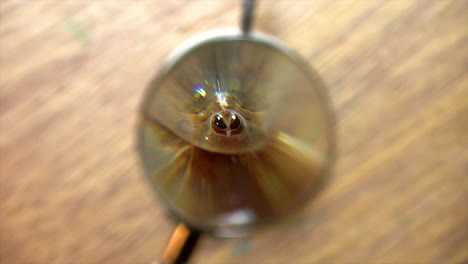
73 72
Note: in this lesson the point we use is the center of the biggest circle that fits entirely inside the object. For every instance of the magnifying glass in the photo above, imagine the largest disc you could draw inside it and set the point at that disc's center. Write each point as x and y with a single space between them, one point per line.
235 132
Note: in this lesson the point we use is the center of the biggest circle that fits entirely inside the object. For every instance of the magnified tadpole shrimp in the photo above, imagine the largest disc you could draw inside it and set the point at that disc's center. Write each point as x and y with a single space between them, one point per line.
234 134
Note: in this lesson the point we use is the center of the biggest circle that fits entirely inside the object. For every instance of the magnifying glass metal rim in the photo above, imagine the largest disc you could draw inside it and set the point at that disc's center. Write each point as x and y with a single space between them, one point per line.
220 36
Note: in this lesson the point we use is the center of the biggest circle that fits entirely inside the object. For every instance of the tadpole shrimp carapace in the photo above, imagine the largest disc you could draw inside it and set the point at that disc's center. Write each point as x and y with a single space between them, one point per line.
235 132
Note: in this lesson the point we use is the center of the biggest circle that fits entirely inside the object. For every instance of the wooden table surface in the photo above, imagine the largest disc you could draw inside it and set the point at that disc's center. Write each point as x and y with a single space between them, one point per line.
72 74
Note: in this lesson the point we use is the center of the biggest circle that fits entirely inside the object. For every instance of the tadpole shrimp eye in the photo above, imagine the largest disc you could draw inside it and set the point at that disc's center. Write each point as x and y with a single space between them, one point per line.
236 124
218 124
231 125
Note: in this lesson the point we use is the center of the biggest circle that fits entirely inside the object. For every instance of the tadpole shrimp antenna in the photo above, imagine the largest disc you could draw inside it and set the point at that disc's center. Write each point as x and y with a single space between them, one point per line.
184 239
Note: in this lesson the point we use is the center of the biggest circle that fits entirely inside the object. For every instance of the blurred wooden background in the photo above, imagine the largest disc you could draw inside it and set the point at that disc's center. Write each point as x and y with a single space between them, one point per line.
73 72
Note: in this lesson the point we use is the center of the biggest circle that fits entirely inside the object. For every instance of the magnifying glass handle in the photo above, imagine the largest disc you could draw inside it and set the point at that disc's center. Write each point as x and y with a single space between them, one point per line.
181 245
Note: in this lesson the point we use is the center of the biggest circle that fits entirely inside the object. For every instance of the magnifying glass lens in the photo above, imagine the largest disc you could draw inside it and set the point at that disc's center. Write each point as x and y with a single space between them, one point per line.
234 132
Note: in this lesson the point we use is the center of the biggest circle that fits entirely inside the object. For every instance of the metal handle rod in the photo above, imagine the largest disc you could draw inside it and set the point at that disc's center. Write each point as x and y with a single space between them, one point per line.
247 15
